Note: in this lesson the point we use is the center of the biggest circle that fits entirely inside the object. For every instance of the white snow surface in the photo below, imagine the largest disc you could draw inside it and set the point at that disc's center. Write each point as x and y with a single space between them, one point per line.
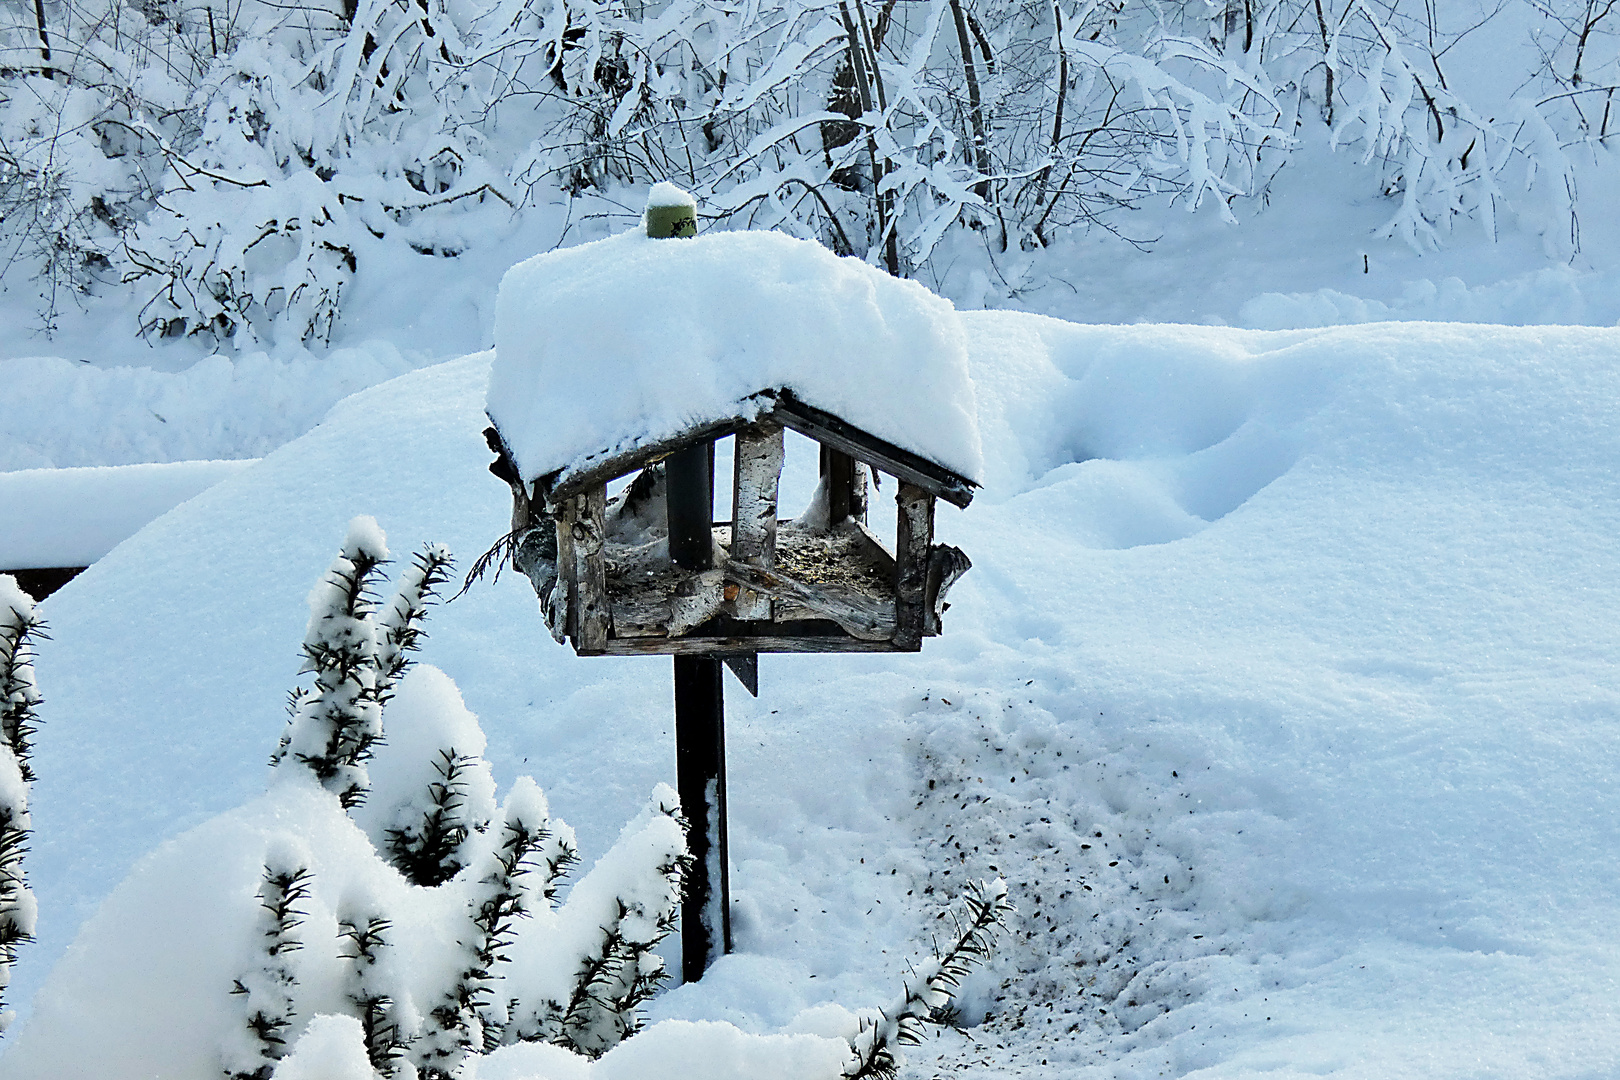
664 193
72 517
59 413
613 344
1281 693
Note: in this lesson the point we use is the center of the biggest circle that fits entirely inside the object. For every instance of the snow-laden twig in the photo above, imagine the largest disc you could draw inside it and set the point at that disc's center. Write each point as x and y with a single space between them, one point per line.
399 624
932 984
332 728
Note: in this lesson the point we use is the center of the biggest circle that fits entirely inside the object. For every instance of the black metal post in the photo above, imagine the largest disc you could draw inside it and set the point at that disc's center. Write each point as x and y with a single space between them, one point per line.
700 729
700 768
689 475
838 474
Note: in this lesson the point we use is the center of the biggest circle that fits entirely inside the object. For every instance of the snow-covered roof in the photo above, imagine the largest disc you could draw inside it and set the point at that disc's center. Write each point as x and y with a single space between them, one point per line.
626 342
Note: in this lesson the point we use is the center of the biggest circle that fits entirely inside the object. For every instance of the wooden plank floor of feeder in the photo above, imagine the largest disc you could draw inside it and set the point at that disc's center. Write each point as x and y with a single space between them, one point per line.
847 563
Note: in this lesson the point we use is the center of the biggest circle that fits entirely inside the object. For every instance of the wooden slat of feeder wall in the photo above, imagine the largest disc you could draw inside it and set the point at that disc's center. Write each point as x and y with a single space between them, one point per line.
756 478
782 639
595 614
567 571
914 532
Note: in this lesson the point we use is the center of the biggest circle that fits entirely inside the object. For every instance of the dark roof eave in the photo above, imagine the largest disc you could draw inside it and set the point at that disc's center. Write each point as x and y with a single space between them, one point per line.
783 407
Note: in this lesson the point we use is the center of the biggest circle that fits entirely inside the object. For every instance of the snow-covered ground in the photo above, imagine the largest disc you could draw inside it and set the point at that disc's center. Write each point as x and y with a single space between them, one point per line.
1281 692
74 516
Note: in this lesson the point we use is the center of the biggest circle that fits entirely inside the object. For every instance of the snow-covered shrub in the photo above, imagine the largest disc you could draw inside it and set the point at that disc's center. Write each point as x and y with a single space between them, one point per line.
432 815
238 166
20 625
435 975
321 134
306 937
68 183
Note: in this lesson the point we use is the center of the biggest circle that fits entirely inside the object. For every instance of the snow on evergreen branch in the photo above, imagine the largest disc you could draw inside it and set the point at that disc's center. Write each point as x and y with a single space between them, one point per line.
399 624
332 729
933 984
269 988
429 852
364 936
20 626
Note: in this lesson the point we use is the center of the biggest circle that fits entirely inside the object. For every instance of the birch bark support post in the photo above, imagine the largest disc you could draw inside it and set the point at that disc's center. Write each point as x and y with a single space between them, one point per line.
757 474
595 611
914 530
562 620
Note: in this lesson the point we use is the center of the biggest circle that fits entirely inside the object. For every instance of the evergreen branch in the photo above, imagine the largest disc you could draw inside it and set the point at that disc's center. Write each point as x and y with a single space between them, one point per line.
400 623
364 937
935 985
496 556
269 990
334 727
428 855
21 627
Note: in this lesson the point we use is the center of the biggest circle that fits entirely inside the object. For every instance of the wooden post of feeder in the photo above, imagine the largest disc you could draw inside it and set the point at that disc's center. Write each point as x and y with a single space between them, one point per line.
700 722
914 531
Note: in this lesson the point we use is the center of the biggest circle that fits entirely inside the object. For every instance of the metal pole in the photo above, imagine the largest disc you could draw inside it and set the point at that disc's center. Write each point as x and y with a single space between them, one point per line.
700 767
700 735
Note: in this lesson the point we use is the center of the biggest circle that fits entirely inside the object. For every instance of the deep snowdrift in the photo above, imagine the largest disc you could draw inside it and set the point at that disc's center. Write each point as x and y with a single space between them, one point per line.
74 516
1281 691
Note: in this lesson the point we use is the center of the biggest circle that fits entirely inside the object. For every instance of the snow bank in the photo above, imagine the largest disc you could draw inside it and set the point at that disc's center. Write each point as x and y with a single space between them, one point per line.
58 413
1281 693
72 517
627 340
1552 295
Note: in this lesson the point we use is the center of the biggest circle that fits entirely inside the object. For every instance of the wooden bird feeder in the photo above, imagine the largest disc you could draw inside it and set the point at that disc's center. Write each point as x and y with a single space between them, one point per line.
651 569
626 576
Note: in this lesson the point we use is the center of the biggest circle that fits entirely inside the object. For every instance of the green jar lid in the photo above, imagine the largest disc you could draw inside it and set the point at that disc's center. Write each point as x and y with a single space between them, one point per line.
670 212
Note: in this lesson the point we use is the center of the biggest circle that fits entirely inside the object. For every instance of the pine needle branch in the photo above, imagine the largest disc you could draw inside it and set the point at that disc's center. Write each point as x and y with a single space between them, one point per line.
933 986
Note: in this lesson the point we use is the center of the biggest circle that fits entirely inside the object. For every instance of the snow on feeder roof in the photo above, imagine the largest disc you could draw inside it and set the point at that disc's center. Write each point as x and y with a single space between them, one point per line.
628 344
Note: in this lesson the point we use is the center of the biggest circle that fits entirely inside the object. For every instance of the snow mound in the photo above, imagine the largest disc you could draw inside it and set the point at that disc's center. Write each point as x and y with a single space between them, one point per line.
57 413
1549 296
628 340
72 517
